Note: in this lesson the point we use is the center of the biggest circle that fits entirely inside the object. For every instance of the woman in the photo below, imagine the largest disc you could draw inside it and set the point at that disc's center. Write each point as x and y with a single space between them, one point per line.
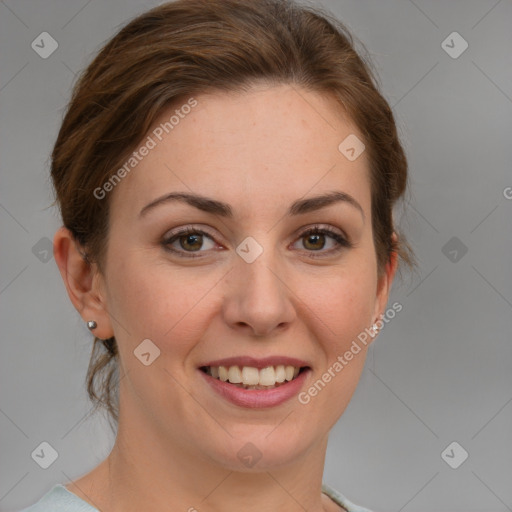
226 173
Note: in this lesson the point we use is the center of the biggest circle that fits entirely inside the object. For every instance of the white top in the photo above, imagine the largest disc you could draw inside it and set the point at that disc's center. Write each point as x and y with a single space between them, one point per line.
60 499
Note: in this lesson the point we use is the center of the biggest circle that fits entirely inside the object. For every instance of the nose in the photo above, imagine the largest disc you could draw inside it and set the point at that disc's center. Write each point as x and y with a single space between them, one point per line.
258 299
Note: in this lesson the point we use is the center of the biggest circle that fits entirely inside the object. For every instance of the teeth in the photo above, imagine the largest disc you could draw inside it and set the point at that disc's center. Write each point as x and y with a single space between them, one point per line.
250 376
234 375
223 373
253 378
267 376
280 373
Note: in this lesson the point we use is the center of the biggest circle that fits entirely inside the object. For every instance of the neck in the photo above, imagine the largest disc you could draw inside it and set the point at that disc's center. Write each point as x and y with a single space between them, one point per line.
147 470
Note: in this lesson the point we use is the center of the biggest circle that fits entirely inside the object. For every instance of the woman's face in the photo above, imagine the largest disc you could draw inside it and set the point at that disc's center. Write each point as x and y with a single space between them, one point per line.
254 285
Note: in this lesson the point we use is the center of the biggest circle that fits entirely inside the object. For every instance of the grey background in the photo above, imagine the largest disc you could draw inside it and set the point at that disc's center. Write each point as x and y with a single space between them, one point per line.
439 372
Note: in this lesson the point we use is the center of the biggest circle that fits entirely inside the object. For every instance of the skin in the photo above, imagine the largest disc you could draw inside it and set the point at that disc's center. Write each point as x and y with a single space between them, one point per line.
177 440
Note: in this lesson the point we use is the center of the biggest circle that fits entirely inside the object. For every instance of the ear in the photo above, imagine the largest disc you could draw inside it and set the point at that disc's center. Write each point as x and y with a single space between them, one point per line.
84 283
384 284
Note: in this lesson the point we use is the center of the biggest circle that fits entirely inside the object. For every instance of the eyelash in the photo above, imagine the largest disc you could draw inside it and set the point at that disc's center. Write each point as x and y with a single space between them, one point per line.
342 242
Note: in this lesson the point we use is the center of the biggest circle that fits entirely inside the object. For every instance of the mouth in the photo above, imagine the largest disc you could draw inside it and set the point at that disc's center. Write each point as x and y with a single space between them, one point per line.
249 377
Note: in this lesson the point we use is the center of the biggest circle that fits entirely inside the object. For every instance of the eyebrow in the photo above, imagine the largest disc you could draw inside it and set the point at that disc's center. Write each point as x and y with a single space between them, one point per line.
222 209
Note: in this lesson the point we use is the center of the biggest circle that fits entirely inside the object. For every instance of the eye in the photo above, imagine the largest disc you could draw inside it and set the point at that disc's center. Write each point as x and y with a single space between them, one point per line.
189 240
315 241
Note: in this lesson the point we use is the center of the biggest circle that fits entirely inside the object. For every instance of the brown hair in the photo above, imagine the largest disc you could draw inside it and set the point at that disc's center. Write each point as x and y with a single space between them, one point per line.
195 46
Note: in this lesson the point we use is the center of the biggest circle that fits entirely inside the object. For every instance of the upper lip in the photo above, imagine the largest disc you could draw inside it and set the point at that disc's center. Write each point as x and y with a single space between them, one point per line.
257 363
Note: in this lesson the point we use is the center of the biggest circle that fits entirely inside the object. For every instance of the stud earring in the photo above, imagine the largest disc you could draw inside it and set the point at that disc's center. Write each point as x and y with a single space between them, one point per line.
91 325
375 329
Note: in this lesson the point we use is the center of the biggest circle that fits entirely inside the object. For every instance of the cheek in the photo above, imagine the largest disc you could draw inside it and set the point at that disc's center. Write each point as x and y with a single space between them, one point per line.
339 315
341 305
152 300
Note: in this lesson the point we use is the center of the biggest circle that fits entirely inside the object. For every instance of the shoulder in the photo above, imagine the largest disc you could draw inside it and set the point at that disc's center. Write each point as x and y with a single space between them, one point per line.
338 498
59 499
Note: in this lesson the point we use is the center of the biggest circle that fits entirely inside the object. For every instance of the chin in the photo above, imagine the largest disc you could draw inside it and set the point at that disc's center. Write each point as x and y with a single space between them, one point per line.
253 450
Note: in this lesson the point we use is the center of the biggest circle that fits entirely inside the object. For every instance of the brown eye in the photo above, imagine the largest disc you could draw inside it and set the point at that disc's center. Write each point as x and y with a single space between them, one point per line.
316 239
188 241
192 242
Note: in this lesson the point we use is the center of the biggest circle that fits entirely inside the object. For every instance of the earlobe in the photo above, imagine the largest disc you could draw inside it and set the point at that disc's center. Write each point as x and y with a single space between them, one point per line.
82 281
385 282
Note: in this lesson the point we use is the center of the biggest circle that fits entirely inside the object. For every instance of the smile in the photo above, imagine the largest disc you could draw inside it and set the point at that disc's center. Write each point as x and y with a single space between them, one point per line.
243 393
249 377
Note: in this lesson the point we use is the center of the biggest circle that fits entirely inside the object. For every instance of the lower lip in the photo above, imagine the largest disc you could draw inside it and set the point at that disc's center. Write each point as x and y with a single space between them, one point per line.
257 398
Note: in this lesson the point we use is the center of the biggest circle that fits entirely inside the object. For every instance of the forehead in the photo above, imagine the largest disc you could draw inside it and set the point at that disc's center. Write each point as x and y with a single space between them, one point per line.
264 146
